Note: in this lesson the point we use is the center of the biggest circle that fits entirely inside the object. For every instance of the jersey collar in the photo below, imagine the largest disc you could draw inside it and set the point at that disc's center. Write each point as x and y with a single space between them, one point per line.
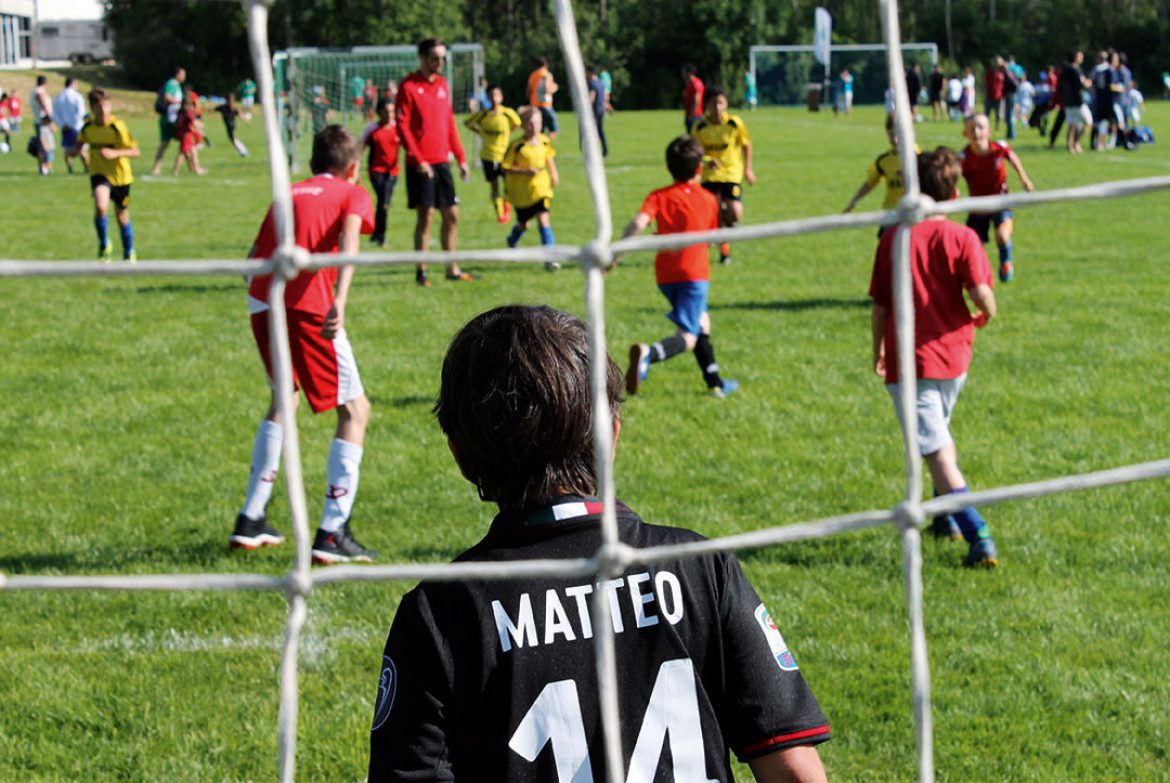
565 507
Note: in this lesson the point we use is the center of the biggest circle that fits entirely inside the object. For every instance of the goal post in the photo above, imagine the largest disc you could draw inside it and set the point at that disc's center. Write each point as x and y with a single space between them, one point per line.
308 79
783 73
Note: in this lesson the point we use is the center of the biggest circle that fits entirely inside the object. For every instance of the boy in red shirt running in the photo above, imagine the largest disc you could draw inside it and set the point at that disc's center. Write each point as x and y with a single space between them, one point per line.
330 212
946 259
986 175
683 275
381 137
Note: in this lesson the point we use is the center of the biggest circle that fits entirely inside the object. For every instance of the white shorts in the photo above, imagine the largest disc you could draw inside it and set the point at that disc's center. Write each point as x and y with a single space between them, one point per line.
1074 118
936 401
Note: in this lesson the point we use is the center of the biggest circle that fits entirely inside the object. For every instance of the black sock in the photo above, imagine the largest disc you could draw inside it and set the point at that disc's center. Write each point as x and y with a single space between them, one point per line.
668 347
705 356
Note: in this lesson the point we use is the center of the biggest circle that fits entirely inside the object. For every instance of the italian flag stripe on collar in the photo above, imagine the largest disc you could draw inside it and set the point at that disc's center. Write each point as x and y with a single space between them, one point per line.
561 511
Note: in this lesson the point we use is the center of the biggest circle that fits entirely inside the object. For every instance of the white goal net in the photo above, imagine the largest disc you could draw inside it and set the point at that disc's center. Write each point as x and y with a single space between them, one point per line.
315 86
612 558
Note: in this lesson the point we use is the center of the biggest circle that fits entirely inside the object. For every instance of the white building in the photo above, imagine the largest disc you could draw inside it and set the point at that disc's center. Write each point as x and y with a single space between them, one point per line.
16 26
53 31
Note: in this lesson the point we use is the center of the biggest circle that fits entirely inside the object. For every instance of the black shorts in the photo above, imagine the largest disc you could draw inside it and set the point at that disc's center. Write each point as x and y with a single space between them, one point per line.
119 194
492 170
724 191
437 191
980 222
524 214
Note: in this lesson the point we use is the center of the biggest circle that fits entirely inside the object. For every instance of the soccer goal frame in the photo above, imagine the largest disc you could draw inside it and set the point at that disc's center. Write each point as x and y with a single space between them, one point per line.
930 49
464 70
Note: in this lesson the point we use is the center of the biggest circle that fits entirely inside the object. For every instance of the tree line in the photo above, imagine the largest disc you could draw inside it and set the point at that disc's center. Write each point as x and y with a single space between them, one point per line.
641 42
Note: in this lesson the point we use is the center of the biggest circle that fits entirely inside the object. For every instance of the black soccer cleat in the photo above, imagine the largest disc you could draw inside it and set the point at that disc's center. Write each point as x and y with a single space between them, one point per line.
340 547
254 533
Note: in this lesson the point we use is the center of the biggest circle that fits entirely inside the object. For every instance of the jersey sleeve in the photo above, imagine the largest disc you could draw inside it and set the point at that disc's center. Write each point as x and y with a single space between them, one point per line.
651 205
357 202
550 151
369 131
874 175
409 734
125 140
745 138
404 111
453 138
880 281
265 241
973 266
767 705
513 118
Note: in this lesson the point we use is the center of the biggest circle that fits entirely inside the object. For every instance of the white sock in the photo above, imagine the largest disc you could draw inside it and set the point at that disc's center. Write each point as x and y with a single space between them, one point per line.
265 465
341 476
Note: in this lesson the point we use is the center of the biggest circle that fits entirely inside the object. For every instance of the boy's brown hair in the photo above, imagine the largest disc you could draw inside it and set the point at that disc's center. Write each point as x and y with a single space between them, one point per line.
684 155
334 148
97 95
938 173
514 403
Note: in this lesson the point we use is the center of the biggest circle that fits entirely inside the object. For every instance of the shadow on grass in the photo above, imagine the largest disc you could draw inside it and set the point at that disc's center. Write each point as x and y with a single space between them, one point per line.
192 288
207 554
402 402
797 305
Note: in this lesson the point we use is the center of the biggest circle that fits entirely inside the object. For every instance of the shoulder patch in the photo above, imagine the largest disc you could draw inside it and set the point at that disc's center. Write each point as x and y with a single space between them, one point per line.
776 642
387 688
733 121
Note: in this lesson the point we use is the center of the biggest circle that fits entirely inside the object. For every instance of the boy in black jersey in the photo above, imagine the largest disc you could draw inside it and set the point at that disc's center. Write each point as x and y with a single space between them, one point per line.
496 680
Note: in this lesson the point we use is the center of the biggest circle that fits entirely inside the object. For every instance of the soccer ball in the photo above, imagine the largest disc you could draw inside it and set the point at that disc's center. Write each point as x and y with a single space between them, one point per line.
4 148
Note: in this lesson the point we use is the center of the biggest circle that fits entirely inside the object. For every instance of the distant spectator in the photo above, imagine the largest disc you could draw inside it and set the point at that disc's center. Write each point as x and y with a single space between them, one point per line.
69 110
937 84
169 105
541 89
46 143
693 91
914 89
1070 84
993 92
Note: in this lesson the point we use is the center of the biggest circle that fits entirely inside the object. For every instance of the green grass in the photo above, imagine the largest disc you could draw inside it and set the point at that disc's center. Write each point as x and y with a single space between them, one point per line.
127 408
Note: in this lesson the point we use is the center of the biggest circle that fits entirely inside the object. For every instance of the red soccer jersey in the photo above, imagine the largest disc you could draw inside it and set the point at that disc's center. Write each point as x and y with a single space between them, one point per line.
683 206
986 174
383 143
426 122
945 260
993 83
320 206
693 97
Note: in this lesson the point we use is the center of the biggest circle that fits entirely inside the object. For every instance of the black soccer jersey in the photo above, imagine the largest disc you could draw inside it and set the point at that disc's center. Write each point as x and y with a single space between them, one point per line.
496 680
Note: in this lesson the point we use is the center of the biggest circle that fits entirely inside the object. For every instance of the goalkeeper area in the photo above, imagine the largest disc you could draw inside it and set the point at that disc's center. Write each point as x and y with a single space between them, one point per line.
784 74
344 79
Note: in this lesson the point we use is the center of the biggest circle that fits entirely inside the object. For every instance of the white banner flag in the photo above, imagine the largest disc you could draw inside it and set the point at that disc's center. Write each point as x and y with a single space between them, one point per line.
822 35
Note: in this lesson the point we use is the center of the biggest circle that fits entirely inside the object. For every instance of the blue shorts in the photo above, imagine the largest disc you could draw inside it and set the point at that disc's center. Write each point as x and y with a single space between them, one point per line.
68 137
689 301
549 118
981 222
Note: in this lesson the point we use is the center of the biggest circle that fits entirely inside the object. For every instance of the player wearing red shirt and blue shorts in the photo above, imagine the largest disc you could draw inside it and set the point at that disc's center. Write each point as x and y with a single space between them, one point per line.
382 139
426 125
683 275
330 212
986 175
946 261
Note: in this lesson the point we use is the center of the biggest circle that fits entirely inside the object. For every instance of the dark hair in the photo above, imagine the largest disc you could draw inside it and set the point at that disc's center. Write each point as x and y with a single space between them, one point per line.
689 69
427 45
41 80
1072 55
68 81
334 148
938 172
385 103
97 95
684 155
712 93
493 87
514 402
541 61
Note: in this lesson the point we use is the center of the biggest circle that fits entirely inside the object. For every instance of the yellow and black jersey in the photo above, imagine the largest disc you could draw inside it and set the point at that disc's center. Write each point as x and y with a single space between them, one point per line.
495 128
887 166
113 134
723 143
524 190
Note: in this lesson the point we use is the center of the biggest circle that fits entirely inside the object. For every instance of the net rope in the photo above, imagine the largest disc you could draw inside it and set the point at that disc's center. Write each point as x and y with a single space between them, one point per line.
612 557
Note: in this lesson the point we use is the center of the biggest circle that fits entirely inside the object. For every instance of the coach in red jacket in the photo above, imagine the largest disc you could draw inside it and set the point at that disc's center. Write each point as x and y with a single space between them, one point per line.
426 124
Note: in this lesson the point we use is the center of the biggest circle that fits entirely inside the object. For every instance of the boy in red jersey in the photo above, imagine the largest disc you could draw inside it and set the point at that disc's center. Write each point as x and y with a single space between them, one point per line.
330 212
693 92
683 275
382 139
189 130
426 125
986 175
946 259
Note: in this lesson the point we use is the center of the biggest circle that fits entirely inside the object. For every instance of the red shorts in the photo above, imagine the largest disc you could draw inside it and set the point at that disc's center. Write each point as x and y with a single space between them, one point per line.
324 368
188 142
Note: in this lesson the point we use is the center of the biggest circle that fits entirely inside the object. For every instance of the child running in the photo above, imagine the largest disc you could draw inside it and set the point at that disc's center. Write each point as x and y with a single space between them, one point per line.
727 151
330 212
986 175
110 149
683 275
530 176
381 136
229 111
494 125
945 260
887 166
189 129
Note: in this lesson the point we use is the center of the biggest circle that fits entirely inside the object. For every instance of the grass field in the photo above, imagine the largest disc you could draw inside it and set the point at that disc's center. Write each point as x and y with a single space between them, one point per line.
127 408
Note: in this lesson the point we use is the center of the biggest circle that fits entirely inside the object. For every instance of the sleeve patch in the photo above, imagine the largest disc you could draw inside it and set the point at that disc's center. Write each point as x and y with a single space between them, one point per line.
776 642
387 688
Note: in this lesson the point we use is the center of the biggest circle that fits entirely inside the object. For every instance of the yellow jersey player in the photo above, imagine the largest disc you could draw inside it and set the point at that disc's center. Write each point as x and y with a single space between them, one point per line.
530 176
110 149
727 159
494 126
887 166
